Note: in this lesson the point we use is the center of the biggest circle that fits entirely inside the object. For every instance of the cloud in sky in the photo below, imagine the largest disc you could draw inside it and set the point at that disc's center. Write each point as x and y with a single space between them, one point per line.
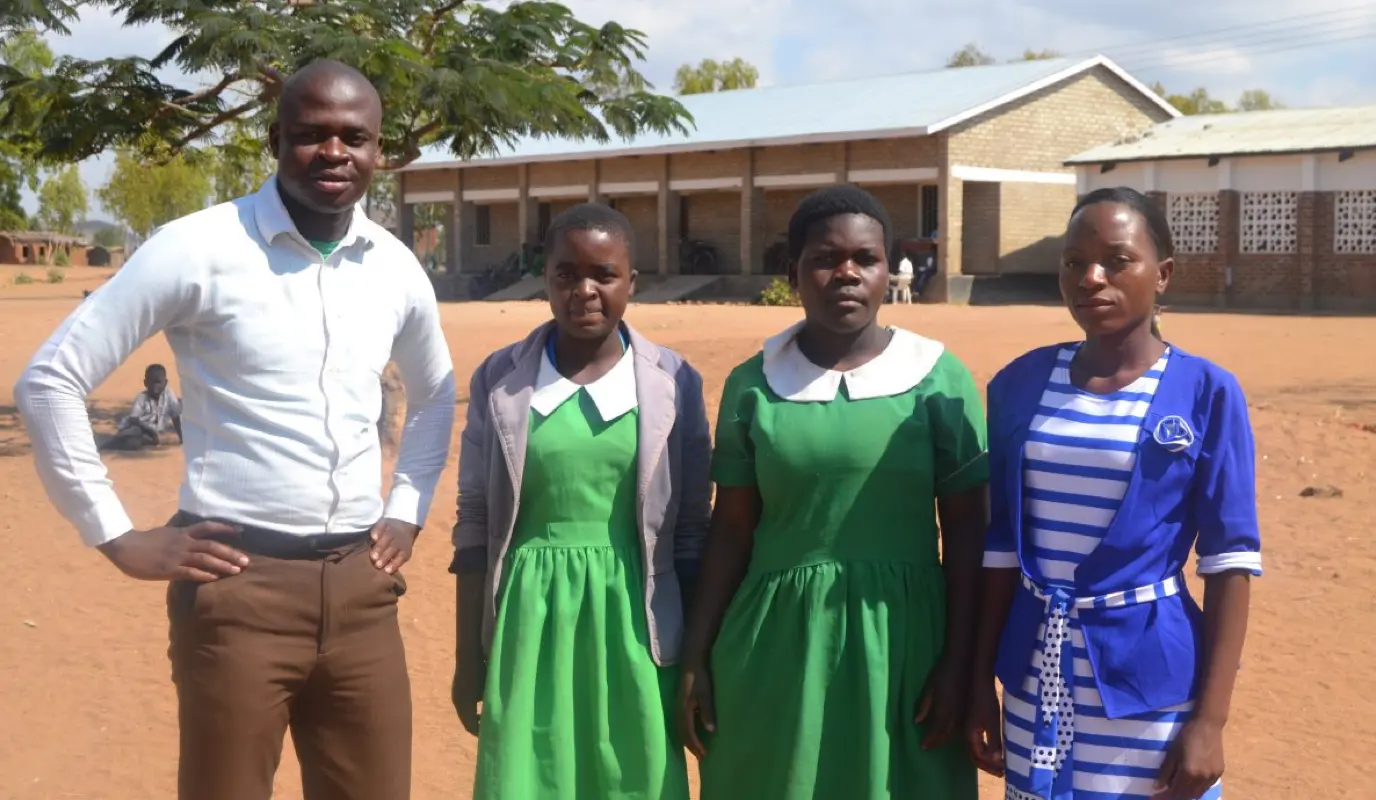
1317 52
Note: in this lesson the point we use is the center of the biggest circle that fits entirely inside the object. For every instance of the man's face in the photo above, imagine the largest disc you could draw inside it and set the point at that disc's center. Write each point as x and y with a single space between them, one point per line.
327 141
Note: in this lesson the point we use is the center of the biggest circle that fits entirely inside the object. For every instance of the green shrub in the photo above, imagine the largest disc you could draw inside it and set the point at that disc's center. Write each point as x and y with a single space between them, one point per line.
56 275
61 259
23 279
778 293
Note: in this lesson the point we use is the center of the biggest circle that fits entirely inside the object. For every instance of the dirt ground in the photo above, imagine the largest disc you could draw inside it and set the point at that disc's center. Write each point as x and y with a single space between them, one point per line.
88 709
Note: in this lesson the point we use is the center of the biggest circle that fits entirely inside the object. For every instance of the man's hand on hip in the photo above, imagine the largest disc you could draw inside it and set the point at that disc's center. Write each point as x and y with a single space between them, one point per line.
392 544
185 554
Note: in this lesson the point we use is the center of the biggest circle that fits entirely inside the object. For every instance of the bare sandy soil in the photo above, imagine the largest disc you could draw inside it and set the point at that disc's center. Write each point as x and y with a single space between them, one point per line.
88 709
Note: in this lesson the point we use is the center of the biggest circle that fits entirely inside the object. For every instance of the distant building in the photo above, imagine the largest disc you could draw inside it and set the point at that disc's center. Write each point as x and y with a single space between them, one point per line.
1270 209
974 157
40 248
102 256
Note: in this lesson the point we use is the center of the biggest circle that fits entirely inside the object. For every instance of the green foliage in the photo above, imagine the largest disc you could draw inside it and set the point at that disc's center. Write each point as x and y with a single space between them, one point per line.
716 76
55 274
1258 100
62 201
23 279
472 76
970 56
23 54
240 163
1038 55
1201 102
146 194
779 293
110 236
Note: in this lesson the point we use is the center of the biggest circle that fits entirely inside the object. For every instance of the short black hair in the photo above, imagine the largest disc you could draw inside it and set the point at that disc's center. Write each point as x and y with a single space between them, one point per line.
834 201
154 369
590 217
1158 227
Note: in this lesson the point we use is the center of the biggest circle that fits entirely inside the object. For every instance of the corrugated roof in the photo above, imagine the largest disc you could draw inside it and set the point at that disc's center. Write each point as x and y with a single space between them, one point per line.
914 104
1300 130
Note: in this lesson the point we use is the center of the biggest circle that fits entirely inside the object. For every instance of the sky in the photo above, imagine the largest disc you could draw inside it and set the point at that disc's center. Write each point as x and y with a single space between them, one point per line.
1310 53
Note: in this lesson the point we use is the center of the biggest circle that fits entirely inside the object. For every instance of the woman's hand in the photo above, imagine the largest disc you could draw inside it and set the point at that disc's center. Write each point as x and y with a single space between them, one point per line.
1194 763
984 728
470 678
695 703
941 707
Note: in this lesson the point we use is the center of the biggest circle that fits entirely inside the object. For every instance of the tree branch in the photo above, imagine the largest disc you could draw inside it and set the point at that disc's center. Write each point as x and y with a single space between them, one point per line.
435 18
214 91
216 121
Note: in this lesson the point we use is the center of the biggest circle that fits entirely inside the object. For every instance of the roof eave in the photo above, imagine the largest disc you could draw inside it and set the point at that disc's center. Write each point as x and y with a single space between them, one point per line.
1100 160
671 149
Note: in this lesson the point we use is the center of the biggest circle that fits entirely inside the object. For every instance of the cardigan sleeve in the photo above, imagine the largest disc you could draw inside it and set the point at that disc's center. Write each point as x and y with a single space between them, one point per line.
1225 491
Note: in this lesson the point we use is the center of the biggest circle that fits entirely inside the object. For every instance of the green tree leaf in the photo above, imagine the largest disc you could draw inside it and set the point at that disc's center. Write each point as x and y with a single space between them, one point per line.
144 194
62 201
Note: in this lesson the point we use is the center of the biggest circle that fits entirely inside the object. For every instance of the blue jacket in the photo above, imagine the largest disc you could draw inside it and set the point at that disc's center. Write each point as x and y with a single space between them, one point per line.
1194 485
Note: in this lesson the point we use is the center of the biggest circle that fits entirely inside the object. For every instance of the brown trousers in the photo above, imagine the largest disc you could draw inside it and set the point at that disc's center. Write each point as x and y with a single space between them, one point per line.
305 637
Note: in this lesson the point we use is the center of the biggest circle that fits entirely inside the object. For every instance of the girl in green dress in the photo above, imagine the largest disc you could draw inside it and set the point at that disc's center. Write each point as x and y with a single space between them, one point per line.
830 645
584 496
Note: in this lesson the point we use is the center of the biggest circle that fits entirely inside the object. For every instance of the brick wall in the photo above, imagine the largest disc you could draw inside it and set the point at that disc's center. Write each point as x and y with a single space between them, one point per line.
799 159
489 178
905 153
561 173
436 180
901 203
506 237
1040 131
707 164
778 208
715 217
643 212
1032 218
630 169
980 229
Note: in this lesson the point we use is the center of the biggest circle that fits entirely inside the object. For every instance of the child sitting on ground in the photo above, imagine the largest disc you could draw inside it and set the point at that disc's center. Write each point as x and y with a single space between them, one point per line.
155 410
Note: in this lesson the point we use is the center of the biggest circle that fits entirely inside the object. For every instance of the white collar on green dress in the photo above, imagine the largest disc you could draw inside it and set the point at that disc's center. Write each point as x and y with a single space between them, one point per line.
613 393
906 360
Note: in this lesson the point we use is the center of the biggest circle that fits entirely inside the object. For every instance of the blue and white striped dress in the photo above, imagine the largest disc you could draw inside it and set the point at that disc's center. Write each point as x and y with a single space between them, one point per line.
1080 453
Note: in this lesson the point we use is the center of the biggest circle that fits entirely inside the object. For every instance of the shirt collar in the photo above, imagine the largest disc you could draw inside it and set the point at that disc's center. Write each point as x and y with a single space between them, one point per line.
613 393
274 221
903 364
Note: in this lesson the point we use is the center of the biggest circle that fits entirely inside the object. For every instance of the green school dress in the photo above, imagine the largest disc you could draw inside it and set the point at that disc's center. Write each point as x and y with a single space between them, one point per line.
825 649
575 708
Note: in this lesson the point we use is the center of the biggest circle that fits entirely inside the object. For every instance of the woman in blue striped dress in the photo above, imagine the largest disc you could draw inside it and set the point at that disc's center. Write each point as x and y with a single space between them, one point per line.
1110 459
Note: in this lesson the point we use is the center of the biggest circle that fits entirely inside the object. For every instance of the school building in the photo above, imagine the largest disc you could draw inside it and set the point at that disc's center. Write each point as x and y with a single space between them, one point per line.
973 158
1270 209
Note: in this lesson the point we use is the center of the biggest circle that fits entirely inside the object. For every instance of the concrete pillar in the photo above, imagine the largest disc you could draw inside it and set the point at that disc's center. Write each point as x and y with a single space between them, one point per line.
1229 243
752 218
527 209
1306 248
950 220
670 206
595 182
453 251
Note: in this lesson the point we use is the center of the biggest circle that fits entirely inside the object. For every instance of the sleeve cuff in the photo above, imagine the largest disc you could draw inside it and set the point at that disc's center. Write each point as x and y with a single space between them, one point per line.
1228 562
969 475
405 504
104 523
731 473
999 559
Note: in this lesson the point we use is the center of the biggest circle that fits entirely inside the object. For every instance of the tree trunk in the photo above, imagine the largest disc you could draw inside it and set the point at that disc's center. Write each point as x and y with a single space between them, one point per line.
393 410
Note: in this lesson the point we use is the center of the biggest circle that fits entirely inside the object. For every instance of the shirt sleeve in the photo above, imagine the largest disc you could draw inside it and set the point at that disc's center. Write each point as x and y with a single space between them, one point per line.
427 372
1000 546
1225 492
733 459
958 429
154 291
174 403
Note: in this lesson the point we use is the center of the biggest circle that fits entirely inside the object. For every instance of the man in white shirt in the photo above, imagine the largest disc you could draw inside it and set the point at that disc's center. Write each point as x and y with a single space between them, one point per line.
282 309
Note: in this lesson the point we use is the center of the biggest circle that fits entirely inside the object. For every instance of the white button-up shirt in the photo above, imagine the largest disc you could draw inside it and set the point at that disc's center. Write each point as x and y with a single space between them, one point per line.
280 354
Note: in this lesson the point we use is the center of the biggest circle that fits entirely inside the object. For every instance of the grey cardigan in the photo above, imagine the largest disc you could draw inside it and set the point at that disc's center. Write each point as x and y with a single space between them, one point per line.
673 485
